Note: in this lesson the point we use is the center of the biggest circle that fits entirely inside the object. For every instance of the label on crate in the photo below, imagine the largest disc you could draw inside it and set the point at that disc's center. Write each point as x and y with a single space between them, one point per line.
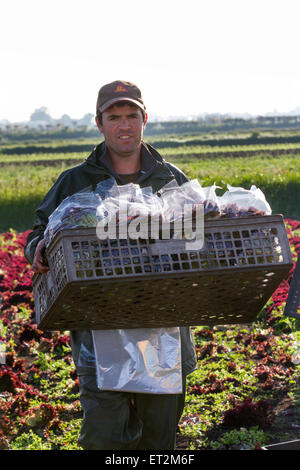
163 247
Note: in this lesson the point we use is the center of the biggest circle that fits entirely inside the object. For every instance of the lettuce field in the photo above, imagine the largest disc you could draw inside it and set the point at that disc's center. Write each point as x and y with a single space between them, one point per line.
245 392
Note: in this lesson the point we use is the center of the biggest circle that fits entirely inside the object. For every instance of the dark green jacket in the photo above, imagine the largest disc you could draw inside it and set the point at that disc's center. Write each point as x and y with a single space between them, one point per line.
155 172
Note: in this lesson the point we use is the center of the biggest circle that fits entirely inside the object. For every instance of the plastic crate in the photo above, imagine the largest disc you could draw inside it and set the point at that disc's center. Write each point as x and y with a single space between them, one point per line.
95 284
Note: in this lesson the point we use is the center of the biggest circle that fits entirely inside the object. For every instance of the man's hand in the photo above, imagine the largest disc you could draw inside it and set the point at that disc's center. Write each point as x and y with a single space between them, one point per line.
40 263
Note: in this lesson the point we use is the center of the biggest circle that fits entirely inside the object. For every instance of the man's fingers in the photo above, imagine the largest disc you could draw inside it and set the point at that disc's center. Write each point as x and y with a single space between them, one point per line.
40 263
39 268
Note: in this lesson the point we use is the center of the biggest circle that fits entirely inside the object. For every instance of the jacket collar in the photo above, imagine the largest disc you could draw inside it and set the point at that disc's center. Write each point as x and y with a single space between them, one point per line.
151 162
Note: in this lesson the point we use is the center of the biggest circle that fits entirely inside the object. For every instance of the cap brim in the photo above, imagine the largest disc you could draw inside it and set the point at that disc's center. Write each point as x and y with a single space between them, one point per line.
117 100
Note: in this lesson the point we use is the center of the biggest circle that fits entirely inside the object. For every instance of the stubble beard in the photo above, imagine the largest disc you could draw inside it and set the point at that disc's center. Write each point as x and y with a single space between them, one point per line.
120 152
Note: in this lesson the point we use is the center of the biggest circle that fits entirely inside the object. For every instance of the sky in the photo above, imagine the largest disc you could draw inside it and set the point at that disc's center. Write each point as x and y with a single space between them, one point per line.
188 57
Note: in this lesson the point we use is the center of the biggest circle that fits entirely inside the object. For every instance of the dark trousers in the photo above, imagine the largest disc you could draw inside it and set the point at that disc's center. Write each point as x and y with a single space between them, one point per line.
128 421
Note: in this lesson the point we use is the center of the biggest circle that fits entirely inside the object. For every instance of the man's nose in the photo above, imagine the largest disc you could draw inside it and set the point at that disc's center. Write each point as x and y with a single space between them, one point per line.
124 124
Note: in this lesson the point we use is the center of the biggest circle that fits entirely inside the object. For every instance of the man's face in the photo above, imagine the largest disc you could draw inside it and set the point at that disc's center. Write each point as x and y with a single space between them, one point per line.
122 127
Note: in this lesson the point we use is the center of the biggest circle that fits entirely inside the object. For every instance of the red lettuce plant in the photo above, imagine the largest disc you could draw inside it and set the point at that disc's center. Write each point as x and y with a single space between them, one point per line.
248 414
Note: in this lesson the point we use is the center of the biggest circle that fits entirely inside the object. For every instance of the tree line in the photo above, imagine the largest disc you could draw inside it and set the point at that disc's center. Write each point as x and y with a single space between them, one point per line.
15 133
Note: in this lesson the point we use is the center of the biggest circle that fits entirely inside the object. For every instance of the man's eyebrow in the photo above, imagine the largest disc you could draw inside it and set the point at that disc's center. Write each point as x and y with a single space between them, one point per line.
133 113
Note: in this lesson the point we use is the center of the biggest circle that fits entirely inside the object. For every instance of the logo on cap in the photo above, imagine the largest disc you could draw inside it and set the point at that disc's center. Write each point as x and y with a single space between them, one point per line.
120 89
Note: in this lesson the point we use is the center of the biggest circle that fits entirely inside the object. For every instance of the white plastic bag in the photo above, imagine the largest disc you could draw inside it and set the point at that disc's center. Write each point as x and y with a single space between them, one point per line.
142 360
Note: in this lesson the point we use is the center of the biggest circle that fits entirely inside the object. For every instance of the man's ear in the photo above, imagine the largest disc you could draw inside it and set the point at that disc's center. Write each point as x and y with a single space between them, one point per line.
146 119
98 124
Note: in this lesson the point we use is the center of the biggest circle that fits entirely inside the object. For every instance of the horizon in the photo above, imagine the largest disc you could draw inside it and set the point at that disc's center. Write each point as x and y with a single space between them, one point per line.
156 118
227 58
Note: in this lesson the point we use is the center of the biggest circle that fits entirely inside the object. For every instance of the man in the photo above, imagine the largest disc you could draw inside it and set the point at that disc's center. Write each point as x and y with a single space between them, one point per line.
116 420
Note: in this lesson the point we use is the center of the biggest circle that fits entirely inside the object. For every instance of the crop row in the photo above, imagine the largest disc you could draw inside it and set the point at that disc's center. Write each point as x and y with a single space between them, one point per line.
55 156
167 142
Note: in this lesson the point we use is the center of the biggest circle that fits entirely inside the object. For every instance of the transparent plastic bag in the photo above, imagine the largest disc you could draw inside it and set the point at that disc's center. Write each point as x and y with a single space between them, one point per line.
239 202
134 202
132 205
194 195
131 195
107 188
177 200
108 203
152 201
129 209
83 209
76 211
211 203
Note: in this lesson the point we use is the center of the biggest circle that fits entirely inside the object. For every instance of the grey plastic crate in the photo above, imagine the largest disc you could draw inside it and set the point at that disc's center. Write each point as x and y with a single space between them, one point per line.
94 284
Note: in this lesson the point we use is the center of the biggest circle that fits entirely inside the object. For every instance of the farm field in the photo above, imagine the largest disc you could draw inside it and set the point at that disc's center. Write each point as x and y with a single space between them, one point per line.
245 392
26 177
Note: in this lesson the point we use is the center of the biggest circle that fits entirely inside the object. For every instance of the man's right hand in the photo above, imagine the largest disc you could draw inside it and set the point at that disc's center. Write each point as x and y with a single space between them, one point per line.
40 263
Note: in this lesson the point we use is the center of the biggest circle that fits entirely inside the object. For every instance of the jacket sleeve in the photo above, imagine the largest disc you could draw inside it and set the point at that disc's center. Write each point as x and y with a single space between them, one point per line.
53 198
